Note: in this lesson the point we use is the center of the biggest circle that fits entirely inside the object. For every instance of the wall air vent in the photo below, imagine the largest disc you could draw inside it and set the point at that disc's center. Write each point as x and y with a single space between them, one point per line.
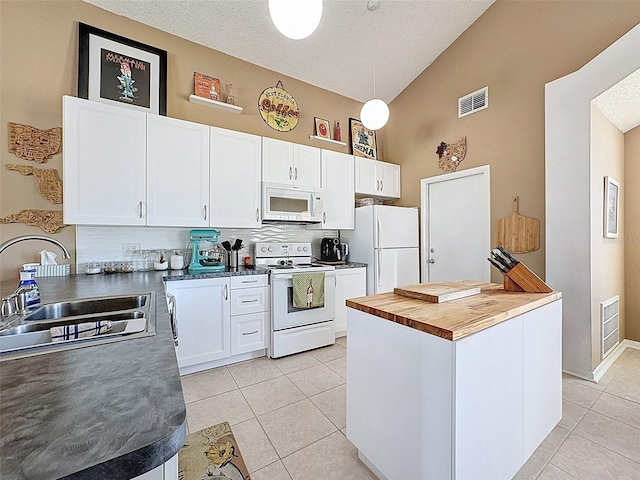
478 100
609 317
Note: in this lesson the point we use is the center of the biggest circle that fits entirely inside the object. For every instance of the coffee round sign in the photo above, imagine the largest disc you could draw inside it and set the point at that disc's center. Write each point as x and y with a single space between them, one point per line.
278 108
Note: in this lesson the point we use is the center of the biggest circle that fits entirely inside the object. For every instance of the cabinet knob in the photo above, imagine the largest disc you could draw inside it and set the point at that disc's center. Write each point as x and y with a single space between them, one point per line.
257 214
431 260
290 173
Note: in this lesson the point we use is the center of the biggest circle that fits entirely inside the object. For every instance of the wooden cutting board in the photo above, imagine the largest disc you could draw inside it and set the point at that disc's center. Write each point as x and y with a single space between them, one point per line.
440 292
517 233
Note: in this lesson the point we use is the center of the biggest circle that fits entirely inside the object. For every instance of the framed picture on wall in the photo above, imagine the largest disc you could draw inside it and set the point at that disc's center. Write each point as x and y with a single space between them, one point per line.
116 70
363 140
323 129
611 204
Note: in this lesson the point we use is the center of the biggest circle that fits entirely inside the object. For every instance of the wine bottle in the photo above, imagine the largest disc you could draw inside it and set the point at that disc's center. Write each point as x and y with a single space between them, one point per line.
310 294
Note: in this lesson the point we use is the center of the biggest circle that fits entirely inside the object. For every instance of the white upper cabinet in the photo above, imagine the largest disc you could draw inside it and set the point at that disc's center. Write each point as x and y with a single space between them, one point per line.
277 161
337 191
306 166
177 173
290 163
380 179
235 179
104 163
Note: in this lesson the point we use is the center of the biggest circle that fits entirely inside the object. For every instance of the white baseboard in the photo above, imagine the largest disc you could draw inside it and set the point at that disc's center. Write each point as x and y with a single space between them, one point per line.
631 344
601 369
371 466
223 361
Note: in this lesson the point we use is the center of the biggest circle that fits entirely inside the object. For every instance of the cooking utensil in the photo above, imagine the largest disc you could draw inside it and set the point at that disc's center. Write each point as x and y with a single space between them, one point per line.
237 245
226 245
517 233
498 266
497 256
514 260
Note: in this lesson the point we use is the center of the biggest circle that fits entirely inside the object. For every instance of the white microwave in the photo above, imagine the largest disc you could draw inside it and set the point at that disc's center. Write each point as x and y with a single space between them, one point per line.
287 204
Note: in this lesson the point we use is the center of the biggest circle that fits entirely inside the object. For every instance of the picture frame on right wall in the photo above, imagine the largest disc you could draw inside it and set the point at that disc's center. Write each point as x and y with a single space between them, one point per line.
363 140
611 205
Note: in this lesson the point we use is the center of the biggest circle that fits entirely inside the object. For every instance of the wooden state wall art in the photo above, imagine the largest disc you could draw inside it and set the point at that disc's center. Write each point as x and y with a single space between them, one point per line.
451 154
48 220
30 143
49 183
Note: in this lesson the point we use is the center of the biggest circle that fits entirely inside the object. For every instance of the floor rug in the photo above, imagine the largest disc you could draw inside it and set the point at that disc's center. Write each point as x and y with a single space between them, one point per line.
212 454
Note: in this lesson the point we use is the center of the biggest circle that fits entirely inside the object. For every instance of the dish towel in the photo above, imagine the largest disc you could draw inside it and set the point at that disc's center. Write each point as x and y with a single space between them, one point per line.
308 290
81 330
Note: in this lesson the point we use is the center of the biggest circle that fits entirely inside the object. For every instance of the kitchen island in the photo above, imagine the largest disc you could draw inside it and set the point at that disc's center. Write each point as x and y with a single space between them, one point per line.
466 389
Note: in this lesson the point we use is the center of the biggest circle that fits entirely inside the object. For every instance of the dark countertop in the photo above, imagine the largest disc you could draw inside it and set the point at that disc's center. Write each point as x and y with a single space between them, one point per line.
111 411
171 275
351 265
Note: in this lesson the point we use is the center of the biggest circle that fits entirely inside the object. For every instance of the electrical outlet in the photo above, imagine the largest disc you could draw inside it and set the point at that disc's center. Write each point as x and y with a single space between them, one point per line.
130 249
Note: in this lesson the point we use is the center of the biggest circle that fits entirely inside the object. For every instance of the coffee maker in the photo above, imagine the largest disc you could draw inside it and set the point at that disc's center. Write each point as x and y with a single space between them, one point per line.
330 250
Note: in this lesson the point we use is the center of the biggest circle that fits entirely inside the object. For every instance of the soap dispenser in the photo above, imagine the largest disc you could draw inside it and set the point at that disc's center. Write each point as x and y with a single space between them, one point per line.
29 286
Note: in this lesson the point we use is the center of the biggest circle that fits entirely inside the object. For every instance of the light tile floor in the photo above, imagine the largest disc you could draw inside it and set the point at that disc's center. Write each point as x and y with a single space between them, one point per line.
289 418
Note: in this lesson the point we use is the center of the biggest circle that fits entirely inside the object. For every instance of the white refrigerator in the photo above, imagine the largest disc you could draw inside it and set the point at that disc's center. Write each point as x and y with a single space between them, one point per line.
386 239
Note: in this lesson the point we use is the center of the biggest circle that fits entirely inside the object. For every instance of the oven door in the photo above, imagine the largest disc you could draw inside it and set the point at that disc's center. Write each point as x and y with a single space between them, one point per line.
284 315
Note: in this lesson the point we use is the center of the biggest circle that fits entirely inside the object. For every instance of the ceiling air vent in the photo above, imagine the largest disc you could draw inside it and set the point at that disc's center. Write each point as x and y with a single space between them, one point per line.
478 100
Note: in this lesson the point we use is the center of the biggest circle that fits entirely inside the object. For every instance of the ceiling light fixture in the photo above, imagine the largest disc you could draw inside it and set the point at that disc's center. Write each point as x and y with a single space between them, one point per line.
375 113
295 19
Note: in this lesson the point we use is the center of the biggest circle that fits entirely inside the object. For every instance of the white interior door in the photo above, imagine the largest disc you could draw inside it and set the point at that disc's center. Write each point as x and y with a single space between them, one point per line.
456 226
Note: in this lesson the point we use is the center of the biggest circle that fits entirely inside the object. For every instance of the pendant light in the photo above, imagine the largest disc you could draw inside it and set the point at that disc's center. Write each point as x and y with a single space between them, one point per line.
295 19
375 113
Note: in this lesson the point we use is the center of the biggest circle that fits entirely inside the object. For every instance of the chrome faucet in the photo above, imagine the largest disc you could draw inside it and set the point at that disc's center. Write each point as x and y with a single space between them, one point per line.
8 243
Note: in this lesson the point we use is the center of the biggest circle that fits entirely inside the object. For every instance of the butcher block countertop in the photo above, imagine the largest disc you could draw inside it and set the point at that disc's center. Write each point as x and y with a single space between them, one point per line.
455 319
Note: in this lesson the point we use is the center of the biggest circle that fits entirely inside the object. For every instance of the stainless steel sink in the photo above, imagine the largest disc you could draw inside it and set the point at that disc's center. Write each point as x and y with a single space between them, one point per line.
132 316
90 306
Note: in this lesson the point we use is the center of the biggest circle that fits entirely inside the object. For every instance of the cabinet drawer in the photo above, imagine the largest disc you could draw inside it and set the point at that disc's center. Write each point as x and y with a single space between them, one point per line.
249 281
249 300
248 332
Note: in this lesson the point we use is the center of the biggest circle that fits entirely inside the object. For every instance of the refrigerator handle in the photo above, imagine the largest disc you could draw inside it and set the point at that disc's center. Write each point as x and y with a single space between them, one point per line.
378 233
378 276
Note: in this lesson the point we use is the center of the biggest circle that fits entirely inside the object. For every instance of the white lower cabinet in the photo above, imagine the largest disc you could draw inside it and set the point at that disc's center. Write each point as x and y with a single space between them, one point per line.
166 471
474 408
350 283
249 332
203 311
219 318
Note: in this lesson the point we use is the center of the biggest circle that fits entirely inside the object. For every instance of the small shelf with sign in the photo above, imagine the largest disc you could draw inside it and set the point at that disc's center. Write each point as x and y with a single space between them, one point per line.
215 104
335 142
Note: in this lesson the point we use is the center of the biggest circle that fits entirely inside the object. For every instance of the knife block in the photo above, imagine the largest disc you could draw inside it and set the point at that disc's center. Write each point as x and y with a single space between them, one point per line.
521 279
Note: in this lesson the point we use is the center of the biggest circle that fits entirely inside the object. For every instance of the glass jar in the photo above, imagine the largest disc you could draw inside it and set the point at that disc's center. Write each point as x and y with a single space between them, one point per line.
110 267
92 268
143 262
127 267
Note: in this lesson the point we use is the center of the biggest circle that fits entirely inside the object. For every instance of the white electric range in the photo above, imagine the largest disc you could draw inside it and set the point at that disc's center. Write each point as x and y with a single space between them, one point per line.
292 329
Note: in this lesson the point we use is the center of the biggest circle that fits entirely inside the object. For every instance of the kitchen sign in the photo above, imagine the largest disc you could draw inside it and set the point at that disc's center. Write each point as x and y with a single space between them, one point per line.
278 108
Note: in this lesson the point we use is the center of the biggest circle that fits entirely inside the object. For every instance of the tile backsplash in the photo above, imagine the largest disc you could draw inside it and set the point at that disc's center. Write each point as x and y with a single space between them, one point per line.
105 244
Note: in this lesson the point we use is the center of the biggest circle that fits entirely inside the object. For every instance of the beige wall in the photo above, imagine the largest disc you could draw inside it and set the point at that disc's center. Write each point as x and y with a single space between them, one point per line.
39 51
514 48
631 192
607 254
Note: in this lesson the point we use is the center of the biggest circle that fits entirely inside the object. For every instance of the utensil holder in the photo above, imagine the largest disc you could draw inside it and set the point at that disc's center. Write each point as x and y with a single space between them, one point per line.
521 279
232 260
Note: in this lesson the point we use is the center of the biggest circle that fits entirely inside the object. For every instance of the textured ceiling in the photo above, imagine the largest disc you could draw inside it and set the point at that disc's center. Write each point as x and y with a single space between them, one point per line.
338 56
621 103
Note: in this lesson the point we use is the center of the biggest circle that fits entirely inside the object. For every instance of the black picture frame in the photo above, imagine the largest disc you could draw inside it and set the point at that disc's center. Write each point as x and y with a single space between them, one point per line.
365 145
119 71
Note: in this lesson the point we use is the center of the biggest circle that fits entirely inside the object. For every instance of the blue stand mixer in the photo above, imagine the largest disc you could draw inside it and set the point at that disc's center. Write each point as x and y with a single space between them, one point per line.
206 255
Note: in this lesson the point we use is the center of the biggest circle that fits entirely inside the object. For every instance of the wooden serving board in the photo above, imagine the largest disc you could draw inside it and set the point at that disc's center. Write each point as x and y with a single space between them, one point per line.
440 292
517 233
